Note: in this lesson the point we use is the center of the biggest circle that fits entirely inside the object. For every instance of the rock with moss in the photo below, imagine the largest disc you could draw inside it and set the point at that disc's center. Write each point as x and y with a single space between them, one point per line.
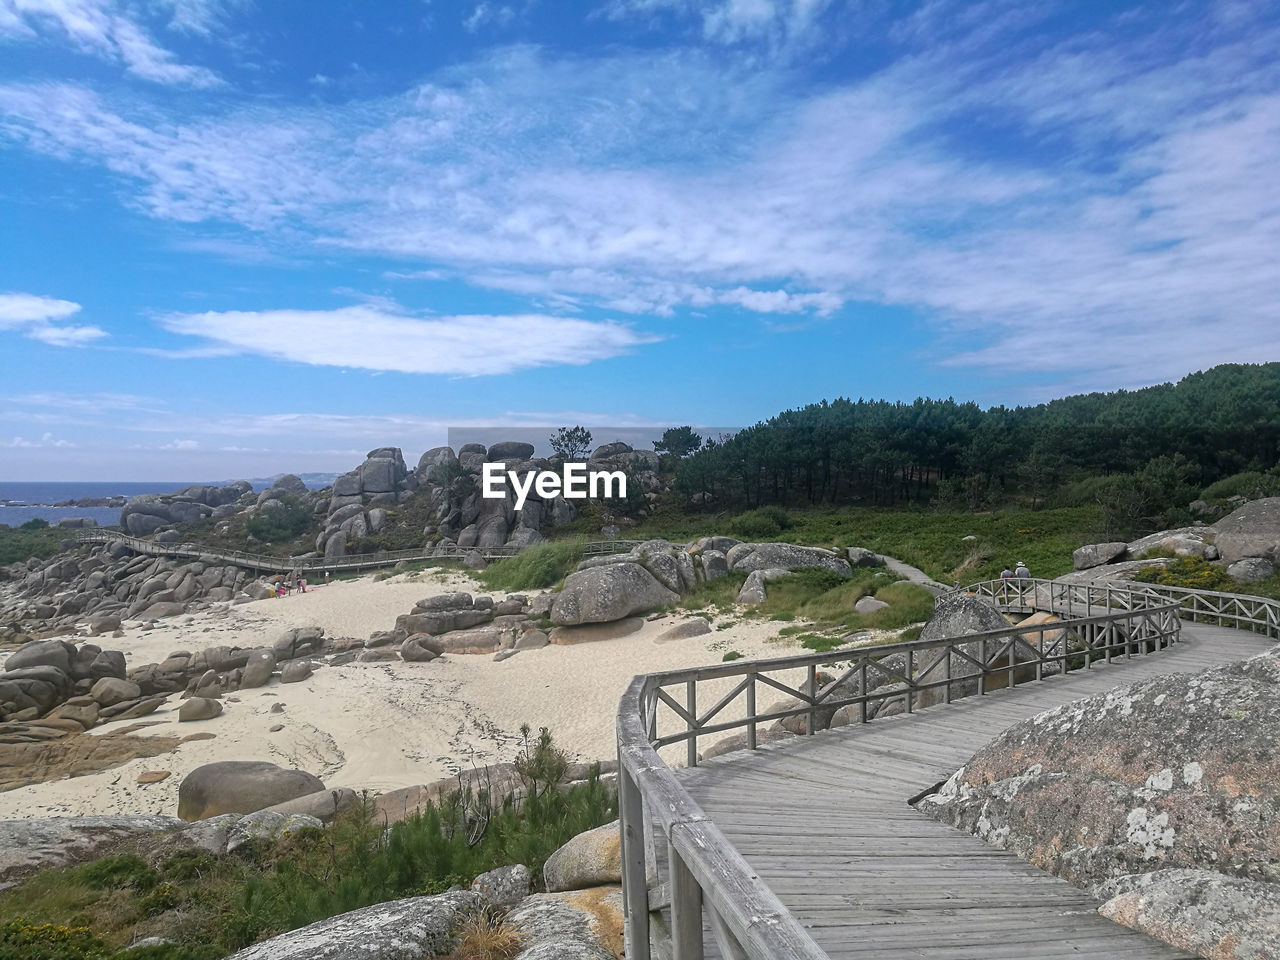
1253 530
27 846
760 556
1199 911
407 929
607 593
1175 771
577 925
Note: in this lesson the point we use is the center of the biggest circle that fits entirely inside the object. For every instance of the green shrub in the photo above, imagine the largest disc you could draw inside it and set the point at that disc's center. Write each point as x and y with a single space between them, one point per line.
21 940
761 523
211 906
1252 484
820 643
541 565
721 593
26 541
730 656
1194 572
35 523
121 870
909 603
277 525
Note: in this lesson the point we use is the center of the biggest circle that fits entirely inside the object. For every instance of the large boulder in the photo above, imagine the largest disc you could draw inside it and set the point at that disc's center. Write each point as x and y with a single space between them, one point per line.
607 593
1199 911
762 556
408 929
436 465
27 846
42 653
1175 771
590 859
577 925
110 690
240 786
258 670
503 887
511 450
1251 531
1096 554
1250 570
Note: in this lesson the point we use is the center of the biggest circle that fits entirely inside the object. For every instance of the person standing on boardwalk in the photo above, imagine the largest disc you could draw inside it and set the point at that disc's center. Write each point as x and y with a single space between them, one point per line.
1022 572
1006 573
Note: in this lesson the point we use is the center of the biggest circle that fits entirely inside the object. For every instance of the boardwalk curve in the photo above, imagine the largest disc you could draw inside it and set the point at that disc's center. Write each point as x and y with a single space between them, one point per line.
809 849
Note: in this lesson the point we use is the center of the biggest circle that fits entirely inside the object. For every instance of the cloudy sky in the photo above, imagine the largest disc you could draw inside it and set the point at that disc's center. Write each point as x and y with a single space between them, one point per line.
241 237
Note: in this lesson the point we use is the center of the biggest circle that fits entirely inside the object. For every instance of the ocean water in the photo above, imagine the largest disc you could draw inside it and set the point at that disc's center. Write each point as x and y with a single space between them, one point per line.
29 500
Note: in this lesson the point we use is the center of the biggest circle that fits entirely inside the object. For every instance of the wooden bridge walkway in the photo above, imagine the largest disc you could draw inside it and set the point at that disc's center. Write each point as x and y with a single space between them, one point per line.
352 563
825 822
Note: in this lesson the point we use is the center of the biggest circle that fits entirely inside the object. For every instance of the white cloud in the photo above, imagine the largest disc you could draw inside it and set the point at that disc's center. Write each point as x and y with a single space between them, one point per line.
1130 188
372 338
782 25
181 445
498 14
38 318
47 440
109 29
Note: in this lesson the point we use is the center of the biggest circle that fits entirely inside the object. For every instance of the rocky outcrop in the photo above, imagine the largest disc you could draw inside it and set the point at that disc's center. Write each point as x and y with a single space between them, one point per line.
577 925
94 590
763 556
27 846
1176 771
406 929
240 786
1253 530
1199 911
609 592
145 514
1096 554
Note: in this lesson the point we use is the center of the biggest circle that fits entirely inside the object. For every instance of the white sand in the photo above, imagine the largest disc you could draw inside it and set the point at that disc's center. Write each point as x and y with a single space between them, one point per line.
379 726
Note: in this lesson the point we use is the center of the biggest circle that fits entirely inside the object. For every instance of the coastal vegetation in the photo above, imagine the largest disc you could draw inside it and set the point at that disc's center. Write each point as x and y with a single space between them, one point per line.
35 538
210 906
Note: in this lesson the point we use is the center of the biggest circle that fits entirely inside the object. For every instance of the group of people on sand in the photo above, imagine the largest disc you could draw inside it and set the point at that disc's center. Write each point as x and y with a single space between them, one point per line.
1020 572
282 585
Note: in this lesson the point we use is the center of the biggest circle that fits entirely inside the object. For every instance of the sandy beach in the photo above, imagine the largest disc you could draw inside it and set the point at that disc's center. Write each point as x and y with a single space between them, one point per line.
379 726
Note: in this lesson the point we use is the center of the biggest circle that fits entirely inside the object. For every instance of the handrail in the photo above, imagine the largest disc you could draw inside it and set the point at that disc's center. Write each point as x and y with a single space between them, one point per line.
1241 610
708 878
259 561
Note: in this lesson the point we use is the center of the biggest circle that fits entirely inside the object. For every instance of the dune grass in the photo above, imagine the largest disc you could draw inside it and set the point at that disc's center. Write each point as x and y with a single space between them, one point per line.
541 566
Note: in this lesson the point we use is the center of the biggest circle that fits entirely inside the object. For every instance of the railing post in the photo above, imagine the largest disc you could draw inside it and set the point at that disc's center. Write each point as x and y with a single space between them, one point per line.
811 718
982 659
691 725
910 672
686 910
751 711
635 890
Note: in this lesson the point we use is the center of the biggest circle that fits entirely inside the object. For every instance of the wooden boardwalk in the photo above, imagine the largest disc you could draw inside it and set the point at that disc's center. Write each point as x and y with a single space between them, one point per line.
825 822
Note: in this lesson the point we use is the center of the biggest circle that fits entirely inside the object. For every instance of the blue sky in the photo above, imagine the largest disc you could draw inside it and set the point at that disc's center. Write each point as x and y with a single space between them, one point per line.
242 237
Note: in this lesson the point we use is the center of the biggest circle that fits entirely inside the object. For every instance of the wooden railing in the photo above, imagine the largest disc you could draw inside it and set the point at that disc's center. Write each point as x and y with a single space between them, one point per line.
1237 610
363 561
709 881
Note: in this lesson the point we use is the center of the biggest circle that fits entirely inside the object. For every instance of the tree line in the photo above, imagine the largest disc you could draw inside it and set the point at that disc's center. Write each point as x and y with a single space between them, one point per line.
1171 440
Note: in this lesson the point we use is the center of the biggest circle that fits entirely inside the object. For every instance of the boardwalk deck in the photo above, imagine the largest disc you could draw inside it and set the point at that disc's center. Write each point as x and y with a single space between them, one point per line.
825 822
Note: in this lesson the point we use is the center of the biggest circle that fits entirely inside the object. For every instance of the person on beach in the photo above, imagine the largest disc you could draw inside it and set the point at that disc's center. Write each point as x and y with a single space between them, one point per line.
326 578
302 584
1006 573
1022 572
